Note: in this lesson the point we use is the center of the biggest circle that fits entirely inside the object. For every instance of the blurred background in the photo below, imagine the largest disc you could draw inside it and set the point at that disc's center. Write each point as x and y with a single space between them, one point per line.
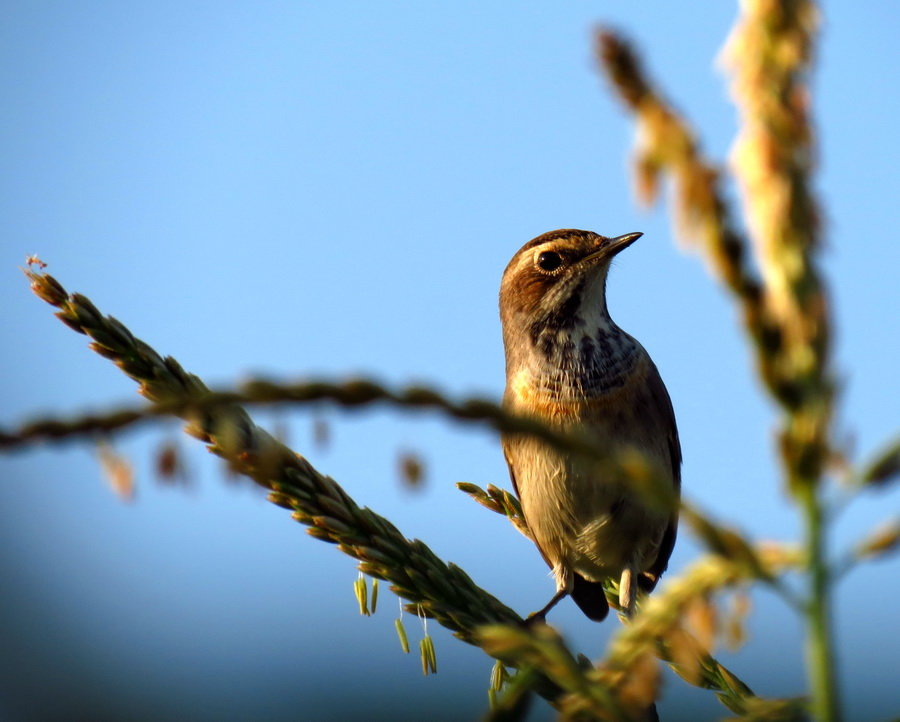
298 189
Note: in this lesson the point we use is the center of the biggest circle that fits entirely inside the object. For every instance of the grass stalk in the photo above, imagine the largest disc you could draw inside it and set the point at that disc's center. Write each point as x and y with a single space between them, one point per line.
820 654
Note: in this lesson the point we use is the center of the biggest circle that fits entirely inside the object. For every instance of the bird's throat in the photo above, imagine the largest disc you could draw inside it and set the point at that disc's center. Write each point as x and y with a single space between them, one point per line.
568 348
580 361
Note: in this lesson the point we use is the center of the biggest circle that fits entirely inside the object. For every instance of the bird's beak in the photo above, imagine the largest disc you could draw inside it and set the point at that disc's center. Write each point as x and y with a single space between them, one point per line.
609 247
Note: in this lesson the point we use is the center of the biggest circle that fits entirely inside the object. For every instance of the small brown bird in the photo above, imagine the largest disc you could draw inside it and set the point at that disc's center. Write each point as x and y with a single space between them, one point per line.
570 365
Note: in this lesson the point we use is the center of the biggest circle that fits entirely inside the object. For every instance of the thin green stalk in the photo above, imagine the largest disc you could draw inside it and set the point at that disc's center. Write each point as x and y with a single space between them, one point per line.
820 657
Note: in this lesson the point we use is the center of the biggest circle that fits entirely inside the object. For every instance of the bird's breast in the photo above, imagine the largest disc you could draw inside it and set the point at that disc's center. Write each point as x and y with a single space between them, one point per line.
620 410
580 518
568 374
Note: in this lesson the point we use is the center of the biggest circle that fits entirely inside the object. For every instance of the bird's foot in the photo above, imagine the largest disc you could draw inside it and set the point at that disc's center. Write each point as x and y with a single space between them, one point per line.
540 616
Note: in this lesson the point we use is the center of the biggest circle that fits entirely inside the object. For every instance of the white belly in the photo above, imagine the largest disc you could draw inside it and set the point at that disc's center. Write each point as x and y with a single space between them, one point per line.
579 521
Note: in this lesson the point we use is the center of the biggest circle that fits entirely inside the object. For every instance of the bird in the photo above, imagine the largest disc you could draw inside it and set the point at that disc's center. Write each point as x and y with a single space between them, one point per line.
569 365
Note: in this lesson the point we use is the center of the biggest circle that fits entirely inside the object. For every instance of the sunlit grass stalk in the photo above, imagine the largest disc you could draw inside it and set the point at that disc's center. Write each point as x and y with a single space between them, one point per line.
660 624
199 400
439 590
825 704
785 311
632 467
542 648
769 54
442 591
360 392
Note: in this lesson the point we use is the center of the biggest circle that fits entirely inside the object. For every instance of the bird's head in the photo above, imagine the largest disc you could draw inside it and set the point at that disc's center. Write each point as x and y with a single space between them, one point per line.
554 282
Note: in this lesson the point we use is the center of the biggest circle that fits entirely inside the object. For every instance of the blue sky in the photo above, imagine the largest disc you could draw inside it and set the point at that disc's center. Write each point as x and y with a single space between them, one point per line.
302 189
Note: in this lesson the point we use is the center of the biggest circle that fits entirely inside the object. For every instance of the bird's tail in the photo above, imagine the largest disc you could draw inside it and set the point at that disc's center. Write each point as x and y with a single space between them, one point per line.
590 598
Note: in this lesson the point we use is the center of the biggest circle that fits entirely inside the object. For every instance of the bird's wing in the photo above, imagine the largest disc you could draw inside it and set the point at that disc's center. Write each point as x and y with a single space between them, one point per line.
512 473
512 478
659 398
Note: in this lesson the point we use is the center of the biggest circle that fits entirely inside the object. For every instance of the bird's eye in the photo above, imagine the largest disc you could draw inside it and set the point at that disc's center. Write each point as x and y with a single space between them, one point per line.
549 261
